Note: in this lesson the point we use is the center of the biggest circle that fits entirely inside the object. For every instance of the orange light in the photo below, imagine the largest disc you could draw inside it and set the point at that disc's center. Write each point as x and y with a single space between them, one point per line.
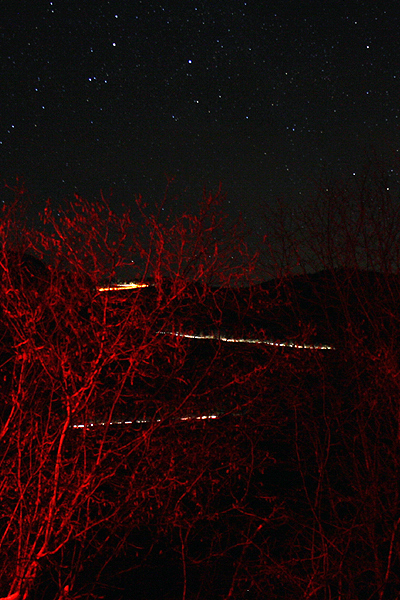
123 286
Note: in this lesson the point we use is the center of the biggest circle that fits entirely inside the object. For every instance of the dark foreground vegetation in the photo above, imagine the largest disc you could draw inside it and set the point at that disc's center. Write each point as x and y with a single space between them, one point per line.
264 470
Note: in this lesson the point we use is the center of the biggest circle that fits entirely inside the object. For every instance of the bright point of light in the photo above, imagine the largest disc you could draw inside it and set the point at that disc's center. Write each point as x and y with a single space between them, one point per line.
123 286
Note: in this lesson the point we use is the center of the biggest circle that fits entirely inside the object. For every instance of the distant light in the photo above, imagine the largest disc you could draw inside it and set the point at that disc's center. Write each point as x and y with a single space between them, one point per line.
140 421
123 286
223 338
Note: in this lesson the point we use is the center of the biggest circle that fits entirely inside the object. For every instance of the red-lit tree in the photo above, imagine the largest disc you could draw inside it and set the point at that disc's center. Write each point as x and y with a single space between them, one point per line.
79 487
290 491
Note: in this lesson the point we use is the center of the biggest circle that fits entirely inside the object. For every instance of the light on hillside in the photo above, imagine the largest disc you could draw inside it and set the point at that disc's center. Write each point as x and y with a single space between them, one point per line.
122 286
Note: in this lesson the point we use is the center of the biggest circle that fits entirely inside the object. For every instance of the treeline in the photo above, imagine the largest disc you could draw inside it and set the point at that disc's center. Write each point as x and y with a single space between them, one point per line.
291 490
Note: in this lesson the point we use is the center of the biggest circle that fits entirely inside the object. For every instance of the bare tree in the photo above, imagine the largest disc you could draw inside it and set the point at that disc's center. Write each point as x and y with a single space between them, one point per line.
342 284
104 403
133 426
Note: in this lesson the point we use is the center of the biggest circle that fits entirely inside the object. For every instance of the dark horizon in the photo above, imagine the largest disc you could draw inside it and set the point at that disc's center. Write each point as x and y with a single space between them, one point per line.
264 100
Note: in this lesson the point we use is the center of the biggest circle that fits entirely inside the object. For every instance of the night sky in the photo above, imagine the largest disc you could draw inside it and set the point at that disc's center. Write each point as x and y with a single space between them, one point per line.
260 96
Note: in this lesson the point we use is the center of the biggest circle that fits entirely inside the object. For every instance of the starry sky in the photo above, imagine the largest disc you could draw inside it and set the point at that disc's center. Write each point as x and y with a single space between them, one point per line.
262 97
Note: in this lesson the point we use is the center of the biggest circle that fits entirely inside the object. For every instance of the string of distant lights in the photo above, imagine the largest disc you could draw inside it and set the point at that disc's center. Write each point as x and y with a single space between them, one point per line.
143 421
198 336
208 337
286 344
223 338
